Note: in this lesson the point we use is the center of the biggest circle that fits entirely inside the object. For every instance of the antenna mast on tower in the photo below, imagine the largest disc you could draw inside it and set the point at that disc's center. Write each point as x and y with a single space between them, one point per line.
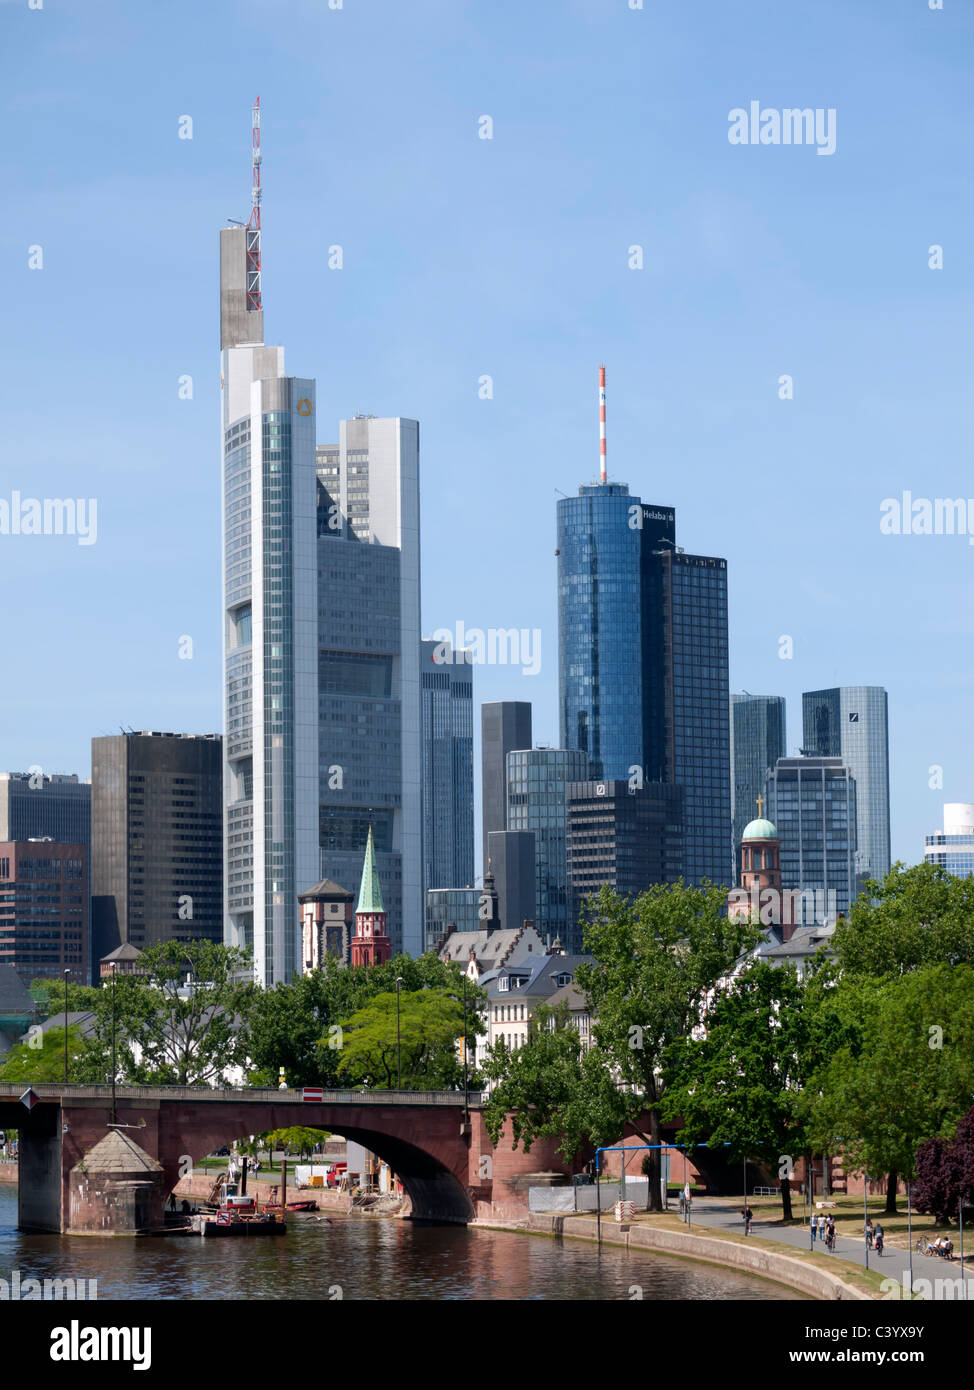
253 226
602 473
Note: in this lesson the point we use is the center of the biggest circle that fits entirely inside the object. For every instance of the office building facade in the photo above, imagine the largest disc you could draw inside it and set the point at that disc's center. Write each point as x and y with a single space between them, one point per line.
504 726
537 781
157 839
447 696
370 692
270 599
449 909
44 909
851 722
811 801
36 804
757 741
643 660
953 846
511 855
623 838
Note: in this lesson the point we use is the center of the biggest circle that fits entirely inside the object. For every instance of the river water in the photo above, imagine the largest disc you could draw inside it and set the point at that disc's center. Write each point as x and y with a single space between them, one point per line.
364 1258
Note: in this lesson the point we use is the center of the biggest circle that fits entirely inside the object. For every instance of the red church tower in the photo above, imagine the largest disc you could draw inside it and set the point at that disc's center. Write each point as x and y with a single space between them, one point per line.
370 944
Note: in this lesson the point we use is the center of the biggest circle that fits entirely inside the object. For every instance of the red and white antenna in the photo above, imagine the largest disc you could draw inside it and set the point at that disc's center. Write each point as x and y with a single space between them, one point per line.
602 473
253 226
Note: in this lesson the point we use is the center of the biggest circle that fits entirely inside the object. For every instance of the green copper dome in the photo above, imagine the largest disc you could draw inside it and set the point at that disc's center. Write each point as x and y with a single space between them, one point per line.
370 894
759 830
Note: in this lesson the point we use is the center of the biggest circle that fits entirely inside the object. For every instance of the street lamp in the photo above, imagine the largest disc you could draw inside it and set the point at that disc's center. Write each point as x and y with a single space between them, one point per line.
466 1097
399 982
67 972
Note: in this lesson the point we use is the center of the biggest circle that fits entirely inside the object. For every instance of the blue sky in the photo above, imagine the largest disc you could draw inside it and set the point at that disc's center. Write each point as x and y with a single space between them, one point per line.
506 257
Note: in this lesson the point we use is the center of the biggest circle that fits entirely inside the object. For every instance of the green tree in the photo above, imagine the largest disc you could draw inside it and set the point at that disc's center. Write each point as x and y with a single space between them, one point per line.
182 1021
300 1025
27 1064
906 1075
742 1083
657 958
424 1034
550 1088
918 916
294 1137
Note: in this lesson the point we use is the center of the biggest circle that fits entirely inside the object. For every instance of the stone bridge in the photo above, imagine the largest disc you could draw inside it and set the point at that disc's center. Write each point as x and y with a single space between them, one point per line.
434 1141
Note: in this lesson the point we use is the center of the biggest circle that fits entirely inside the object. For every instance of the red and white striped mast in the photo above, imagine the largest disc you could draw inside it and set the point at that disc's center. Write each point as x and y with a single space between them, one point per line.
253 226
602 472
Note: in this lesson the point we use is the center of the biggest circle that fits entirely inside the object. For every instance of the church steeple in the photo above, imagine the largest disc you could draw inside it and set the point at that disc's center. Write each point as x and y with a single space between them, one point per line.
370 944
370 894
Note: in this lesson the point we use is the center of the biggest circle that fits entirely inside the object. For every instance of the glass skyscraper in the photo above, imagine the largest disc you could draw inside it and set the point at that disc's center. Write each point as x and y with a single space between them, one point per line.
812 804
599 630
270 638
537 780
757 741
851 722
321 643
643 661
369 700
447 692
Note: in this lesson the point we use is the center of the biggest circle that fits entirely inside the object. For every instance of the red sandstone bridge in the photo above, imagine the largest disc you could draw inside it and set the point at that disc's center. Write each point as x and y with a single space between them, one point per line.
434 1141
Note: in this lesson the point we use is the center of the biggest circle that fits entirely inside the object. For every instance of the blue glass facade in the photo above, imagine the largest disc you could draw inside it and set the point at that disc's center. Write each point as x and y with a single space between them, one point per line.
447 769
757 741
599 628
851 722
812 803
537 779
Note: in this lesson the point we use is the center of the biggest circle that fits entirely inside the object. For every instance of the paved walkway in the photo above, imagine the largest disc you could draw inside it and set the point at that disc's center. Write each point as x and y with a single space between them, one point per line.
893 1263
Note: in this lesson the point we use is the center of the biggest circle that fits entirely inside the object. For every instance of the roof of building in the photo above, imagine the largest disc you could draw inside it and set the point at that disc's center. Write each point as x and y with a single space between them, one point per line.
541 976
369 893
490 948
84 1020
571 995
804 942
117 1153
327 888
124 952
760 829
15 997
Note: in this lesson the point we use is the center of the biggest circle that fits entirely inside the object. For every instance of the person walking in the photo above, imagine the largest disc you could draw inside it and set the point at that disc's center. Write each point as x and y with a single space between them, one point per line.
814 1225
821 1228
869 1234
748 1218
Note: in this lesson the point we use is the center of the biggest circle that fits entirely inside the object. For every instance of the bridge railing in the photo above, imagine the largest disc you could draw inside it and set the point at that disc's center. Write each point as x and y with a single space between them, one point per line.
250 1094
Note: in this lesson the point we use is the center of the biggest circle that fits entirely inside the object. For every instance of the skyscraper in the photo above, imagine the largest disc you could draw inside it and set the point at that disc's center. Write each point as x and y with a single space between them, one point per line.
623 837
322 632
851 722
812 803
157 831
504 725
370 697
45 805
44 909
643 659
270 629
757 741
537 781
447 692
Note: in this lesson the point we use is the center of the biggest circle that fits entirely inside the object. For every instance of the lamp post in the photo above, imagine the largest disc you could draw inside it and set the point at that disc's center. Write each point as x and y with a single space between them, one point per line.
114 1049
466 1098
67 972
865 1215
909 1233
399 982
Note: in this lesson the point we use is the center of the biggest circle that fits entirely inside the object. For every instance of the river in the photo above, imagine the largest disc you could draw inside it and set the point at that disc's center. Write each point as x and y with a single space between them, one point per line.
365 1258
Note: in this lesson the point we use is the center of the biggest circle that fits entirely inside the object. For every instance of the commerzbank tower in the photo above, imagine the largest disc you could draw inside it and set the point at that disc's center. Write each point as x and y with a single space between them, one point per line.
321 585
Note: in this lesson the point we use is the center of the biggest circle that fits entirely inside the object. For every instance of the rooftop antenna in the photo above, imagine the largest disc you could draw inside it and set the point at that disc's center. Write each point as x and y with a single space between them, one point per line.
253 226
602 473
